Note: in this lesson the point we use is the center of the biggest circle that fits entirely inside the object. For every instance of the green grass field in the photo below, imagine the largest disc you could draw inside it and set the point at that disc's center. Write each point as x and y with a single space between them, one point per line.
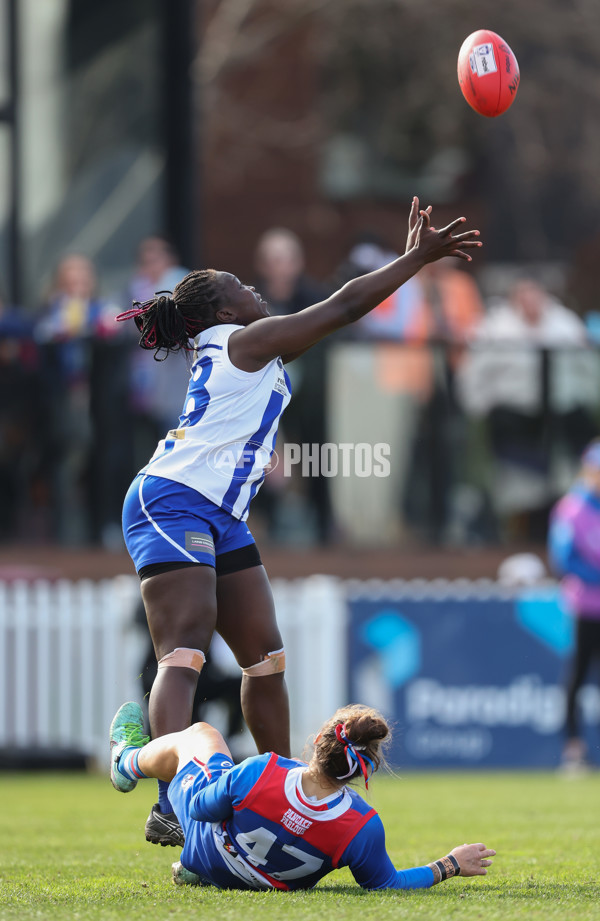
71 847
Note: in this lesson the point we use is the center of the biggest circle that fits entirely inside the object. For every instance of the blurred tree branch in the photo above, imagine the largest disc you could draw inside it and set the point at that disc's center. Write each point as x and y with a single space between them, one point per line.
385 74
240 30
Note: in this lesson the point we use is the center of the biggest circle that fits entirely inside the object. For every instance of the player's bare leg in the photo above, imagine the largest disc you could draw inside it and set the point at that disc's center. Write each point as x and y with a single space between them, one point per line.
246 621
164 757
134 757
181 611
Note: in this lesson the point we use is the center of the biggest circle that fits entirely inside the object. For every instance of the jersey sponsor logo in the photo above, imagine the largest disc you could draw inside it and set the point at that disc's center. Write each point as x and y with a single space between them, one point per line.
187 781
196 541
280 386
294 822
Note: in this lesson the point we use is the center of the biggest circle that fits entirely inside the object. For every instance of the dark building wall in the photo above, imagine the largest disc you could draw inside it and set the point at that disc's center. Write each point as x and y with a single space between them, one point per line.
260 139
255 172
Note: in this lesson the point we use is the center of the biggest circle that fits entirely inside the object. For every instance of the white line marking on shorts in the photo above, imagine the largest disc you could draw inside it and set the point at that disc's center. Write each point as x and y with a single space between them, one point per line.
160 531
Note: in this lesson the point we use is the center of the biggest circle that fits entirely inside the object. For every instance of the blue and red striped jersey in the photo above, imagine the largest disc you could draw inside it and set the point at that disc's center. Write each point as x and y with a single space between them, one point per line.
257 829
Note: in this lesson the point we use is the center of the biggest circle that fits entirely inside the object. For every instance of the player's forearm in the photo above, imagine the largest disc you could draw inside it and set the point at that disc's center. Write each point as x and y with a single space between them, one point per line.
415 878
363 294
209 806
385 876
425 877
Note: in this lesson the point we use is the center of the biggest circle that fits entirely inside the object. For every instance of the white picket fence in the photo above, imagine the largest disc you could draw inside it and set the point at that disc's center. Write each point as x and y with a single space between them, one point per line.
312 615
71 653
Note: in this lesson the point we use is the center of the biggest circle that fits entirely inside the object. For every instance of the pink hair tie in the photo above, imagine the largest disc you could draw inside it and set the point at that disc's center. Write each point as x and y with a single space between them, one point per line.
139 308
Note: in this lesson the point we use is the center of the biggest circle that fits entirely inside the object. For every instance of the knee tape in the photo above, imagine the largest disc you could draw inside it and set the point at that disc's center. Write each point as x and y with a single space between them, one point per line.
272 663
183 658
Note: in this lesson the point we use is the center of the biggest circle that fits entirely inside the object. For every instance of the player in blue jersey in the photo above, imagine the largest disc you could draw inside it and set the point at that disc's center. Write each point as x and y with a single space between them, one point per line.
273 822
184 515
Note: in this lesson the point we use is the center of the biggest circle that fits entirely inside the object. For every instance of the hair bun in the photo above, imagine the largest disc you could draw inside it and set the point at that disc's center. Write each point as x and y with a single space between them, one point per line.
164 300
364 728
169 320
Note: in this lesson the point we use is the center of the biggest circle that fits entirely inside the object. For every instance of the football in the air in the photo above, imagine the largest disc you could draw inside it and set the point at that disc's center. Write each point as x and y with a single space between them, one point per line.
488 73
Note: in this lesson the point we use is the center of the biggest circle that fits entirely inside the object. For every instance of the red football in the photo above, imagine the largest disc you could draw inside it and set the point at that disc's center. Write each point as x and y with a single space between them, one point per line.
488 73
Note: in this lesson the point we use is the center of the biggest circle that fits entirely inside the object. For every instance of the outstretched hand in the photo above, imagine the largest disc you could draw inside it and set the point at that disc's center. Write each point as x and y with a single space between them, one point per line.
413 223
473 859
431 244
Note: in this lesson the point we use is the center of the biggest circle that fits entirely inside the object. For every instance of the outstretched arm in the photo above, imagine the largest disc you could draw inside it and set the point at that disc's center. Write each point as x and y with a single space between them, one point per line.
259 342
372 868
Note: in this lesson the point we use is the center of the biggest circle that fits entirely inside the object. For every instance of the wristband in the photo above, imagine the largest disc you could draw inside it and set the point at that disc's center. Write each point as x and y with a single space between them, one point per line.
448 867
454 863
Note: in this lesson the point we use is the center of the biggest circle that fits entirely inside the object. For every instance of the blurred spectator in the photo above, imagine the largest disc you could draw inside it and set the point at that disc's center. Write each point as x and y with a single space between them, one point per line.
531 374
157 268
574 549
73 309
451 310
393 319
388 375
420 331
280 276
446 318
157 388
17 327
440 303
21 422
281 279
80 451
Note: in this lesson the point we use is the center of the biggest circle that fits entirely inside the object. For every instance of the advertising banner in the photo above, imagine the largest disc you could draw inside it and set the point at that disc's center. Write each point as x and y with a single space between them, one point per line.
469 678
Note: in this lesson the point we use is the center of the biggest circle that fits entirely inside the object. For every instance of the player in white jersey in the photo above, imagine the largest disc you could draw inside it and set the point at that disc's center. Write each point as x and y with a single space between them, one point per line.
273 822
184 515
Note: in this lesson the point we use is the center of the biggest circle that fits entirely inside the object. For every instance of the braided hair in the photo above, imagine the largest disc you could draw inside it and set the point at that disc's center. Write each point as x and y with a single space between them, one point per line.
169 320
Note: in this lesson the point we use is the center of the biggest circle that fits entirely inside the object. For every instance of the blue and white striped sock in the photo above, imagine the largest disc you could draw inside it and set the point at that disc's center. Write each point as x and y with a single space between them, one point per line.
128 764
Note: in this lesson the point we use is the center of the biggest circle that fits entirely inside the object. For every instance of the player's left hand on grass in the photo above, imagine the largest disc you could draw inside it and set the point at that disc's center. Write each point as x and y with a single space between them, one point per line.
473 859
432 244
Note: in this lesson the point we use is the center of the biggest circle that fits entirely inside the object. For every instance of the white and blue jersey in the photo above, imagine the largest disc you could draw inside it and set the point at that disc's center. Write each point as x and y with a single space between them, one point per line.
226 434
251 826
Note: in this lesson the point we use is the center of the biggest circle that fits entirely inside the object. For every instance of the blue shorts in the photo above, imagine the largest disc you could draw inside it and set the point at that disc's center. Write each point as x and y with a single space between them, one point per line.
167 522
199 853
